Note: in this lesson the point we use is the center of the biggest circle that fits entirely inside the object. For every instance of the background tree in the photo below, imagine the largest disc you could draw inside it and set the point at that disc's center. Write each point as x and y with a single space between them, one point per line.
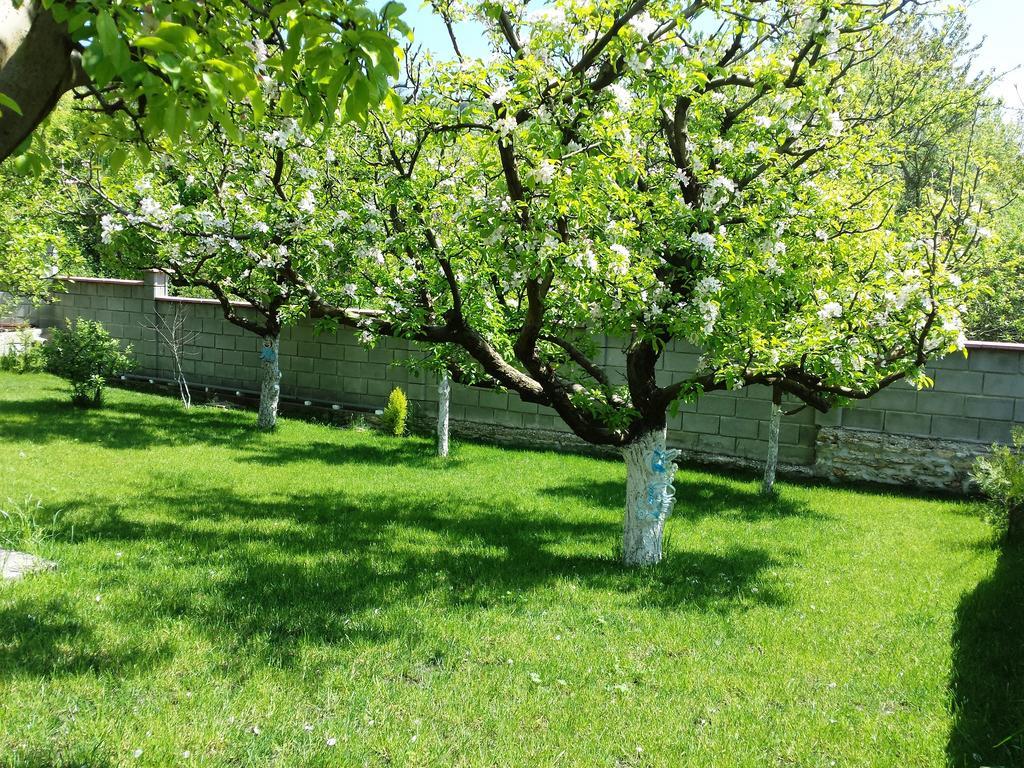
929 72
37 237
651 172
938 134
232 216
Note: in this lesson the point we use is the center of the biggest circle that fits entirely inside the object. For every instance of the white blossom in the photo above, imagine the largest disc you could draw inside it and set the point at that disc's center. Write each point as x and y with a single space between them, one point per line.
709 285
109 227
545 172
644 24
150 208
505 125
622 96
500 93
705 240
308 203
836 124
620 266
830 310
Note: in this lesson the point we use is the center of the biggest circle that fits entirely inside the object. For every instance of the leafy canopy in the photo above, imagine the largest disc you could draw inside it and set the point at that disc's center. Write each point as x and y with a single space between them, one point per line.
654 172
172 67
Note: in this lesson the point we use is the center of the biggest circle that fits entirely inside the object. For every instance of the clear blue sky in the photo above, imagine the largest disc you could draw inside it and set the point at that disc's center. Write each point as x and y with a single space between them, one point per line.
999 22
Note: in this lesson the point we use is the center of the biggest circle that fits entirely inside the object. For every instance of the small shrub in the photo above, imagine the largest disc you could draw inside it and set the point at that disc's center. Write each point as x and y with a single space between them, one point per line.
395 413
1000 476
86 356
25 355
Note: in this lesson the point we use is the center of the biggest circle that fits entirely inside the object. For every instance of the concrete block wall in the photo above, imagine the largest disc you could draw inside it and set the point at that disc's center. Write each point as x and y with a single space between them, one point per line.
928 437
975 401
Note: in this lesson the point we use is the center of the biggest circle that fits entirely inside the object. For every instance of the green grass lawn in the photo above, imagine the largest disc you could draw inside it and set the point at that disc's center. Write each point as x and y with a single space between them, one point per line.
320 596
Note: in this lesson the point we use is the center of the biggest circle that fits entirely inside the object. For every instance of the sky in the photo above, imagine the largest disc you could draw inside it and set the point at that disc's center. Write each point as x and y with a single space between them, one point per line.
997 24
1000 25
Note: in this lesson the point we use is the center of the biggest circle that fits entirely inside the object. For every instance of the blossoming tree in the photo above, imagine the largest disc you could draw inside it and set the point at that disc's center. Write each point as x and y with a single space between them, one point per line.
649 172
231 218
931 108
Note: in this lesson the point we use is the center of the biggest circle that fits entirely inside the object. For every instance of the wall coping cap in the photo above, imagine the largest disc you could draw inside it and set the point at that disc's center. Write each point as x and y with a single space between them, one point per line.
1002 346
103 280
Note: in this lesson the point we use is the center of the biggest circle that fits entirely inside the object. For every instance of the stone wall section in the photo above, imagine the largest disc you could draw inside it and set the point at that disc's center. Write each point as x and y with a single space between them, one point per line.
925 438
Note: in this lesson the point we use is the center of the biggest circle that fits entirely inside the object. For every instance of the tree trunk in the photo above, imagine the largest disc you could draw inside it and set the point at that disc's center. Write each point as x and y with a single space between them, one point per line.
270 382
649 497
444 391
37 65
771 461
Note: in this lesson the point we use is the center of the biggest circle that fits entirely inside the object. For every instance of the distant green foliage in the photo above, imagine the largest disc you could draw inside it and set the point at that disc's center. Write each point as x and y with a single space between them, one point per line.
86 355
396 412
1001 477
25 356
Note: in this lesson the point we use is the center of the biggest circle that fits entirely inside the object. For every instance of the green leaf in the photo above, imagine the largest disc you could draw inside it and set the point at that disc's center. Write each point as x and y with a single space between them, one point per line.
358 100
106 30
177 34
291 53
283 9
8 103
155 44
116 158
174 120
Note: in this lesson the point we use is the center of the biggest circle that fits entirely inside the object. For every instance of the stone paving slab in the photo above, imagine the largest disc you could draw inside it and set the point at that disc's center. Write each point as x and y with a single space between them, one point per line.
14 565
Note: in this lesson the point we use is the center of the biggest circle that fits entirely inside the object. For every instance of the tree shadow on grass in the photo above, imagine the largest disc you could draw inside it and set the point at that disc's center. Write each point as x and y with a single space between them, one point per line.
987 682
50 639
694 499
319 568
122 425
387 451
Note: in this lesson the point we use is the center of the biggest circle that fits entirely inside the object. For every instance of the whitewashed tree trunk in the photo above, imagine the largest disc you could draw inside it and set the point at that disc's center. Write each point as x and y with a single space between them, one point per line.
649 497
270 382
771 461
444 392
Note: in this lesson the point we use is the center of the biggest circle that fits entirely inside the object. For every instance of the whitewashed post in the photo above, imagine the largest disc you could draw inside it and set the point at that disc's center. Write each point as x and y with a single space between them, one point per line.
771 461
444 390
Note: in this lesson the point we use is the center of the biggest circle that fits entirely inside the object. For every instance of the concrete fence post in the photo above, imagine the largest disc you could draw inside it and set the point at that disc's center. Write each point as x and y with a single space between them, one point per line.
155 282
154 287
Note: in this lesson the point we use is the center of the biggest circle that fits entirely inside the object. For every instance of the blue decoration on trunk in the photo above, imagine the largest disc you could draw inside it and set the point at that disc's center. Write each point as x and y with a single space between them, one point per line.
268 355
661 495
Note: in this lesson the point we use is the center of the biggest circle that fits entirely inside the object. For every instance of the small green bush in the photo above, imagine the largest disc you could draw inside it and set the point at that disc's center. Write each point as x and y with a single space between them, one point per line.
396 412
1000 476
86 356
25 355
